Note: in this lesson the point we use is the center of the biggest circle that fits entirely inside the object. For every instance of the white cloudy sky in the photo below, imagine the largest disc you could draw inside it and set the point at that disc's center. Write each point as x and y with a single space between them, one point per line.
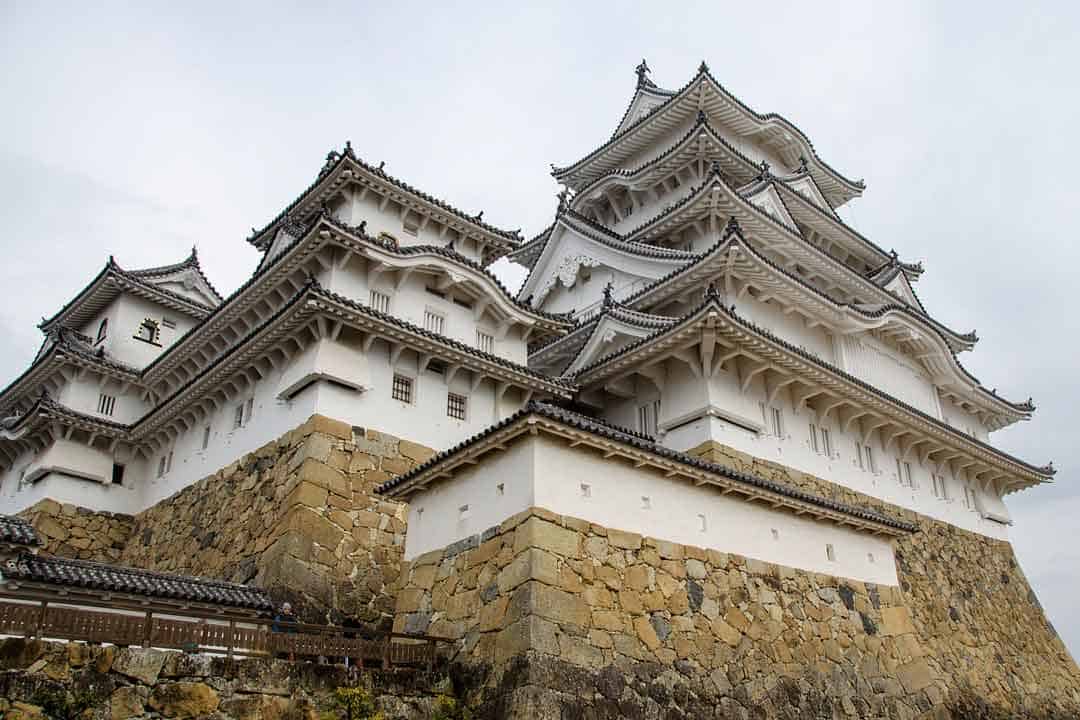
139 130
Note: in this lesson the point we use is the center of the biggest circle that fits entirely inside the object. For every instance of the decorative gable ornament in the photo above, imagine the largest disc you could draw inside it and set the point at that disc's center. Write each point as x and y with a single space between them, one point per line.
566 273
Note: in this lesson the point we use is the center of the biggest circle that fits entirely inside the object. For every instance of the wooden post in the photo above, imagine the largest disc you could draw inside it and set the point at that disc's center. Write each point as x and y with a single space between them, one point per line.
386 654
41 619
148 624
231 638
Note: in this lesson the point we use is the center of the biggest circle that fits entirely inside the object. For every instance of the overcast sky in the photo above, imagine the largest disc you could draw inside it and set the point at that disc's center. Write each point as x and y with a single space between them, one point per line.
140 131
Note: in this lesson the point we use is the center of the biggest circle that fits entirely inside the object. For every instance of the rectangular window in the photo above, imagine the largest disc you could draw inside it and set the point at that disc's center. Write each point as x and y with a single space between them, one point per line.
859 456
161 466
586 490
106 404
249 408
168 462
647 417
830 552
702 523
903 474
937 485
813 438
778 422
456 406
238 416
402 388
206 437
969 498
826 443
485 342
117 474
869 452
380 302
434 322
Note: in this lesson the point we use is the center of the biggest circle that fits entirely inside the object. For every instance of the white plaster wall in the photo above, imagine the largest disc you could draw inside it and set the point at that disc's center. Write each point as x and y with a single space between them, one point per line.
270 419
352 210
546 473
435 516
125 314
791 327
84 394
794 450
424 420
17 495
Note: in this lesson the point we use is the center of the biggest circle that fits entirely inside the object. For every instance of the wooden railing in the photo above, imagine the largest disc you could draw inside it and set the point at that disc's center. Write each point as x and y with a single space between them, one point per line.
245 637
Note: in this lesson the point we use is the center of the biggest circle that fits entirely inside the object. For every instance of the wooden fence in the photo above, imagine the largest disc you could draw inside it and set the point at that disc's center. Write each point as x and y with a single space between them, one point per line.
244 637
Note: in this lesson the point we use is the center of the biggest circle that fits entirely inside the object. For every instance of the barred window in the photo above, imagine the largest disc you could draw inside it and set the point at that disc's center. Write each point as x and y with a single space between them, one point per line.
456 405
434 322
402 388
238 416
380 301
206 437
106 404
485 342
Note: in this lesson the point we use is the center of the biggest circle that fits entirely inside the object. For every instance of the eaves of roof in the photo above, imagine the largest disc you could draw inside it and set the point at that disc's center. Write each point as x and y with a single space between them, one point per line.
712 304
593 426
336 160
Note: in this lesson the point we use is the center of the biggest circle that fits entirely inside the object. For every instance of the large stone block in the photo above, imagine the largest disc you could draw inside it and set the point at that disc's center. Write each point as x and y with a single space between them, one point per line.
545 535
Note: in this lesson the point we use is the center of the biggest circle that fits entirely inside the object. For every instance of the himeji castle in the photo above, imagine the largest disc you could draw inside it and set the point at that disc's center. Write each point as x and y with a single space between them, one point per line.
695 298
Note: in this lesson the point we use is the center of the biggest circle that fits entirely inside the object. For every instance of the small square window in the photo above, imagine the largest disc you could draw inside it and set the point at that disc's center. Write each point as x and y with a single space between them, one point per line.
456 406
775 534
463 512
402 389
500 489
870 557
117 474
646 502
586 490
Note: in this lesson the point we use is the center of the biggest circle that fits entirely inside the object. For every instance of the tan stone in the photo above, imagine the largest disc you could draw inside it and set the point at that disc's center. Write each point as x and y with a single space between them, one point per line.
736 619
128 702
611 620
646 633
557 605
183 700
625 540
308 494
726 632
545 535
896 621
915 675
415 452
329 426
631 602
639 577
493 614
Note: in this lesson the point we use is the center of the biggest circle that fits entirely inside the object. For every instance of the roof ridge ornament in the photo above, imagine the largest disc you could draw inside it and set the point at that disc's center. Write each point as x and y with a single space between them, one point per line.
607 295
715 167
732 227
564 203
711 292
804 165
765 173
642 71
703 68
702 118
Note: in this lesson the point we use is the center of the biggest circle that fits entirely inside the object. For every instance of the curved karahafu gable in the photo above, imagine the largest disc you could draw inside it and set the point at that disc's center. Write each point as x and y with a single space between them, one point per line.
703 92
575 241
342 169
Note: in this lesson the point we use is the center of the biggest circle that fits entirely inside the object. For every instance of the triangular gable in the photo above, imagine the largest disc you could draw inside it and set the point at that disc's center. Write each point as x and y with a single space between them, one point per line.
189 283
768 200
809 189
901 288
609 335
643 104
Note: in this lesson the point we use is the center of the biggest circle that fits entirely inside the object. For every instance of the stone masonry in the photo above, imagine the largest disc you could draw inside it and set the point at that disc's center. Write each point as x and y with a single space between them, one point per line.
75 532
50 681
571 619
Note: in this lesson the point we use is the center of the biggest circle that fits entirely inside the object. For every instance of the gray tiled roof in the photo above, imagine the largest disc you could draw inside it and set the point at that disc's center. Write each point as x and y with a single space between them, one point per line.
114 578
17 531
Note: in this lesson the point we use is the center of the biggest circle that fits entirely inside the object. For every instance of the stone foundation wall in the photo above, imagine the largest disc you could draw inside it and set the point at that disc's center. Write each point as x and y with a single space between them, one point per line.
575 620
76 532
50 681
298 517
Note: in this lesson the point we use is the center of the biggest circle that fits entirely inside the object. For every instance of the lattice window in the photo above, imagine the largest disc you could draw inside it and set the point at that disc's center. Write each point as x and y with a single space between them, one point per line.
485 342
402 388
826 442
380 301
434 322
106 404
456 405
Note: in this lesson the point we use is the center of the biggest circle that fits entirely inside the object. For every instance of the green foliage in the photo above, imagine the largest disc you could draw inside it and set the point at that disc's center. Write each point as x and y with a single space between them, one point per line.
449 708
357 703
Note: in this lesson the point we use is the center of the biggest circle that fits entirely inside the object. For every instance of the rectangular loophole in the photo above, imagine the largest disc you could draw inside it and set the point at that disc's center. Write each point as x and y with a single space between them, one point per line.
830 552
586 490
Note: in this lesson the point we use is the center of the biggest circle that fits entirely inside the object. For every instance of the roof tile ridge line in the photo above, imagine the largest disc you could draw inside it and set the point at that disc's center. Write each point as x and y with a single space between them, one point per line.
702 123
127 569
447 252
834 218
45 324
556 171
939 329
703 71
561 338
644 443
644 84
456 344
767 334
858 184
329 168
634 245
935 326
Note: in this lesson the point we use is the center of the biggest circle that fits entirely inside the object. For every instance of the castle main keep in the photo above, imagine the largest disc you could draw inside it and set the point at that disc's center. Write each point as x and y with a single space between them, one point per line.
715 458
